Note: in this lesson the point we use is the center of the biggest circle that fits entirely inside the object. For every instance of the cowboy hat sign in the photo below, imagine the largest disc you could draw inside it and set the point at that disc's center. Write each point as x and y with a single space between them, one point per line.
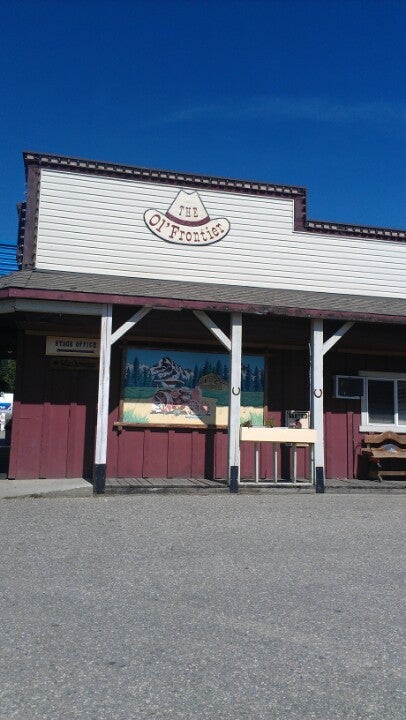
187 222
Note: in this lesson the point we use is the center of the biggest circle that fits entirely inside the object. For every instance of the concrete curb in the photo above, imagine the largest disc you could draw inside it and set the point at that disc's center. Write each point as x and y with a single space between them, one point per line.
357 489
12 489
77 487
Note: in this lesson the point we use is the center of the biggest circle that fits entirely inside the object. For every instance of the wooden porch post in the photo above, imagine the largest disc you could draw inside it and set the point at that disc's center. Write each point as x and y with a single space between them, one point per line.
99 472
235 402
317 400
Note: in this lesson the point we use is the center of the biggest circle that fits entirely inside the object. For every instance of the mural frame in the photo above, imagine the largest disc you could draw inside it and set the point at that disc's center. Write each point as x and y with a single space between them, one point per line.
176 398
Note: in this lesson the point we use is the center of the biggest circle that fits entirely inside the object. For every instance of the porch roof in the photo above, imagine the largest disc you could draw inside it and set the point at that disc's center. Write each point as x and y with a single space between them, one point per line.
92 287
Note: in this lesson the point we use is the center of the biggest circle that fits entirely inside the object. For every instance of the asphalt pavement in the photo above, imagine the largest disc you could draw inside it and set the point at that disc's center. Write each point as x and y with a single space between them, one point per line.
203 607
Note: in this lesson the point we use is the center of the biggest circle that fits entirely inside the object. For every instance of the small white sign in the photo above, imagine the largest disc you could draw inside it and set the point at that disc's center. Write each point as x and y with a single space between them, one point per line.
6 403
65 346
297 419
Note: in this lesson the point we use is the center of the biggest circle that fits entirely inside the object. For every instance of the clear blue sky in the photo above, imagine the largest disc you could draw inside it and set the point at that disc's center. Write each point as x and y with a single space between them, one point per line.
301 92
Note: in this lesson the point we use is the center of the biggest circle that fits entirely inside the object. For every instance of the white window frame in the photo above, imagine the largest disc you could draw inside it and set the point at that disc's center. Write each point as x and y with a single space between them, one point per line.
366 426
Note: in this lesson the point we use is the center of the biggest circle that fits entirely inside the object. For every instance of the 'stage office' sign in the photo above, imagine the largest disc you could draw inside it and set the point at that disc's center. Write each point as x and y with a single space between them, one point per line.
65 346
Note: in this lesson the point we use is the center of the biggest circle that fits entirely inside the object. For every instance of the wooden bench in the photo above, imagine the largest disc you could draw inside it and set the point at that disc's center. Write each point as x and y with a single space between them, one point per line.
387 455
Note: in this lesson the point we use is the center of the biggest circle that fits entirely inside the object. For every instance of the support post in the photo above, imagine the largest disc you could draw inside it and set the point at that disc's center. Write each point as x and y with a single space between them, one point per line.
317 401
336 336
214 329
99 472
234 402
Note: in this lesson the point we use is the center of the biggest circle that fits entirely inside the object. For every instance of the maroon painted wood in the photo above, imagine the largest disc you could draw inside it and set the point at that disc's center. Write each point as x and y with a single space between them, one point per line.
130 453
82 425
55 416
90 380
28 409
55 426
247 461
26 460
198 454
220 456
179 453
155 454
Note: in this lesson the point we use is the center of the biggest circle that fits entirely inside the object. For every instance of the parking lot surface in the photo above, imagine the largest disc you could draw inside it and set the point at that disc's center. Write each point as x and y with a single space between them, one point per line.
276 607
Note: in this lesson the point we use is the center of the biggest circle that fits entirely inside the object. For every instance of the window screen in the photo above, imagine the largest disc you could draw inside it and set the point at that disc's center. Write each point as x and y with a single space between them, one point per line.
381 406
401 402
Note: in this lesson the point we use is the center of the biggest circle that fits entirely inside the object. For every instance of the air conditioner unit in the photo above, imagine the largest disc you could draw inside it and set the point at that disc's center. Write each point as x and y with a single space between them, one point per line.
348 387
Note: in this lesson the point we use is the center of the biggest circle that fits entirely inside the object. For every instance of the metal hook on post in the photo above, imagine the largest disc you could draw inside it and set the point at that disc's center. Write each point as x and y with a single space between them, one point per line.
235 391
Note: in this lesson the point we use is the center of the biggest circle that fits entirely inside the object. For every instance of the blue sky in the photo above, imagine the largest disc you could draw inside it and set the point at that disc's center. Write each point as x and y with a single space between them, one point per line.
300 92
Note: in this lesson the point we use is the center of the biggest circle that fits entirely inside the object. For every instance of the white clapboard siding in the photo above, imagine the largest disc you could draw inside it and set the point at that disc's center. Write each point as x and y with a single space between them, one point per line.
92 223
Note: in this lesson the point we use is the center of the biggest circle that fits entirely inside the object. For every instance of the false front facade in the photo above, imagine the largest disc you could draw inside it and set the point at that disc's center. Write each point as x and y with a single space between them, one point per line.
156 312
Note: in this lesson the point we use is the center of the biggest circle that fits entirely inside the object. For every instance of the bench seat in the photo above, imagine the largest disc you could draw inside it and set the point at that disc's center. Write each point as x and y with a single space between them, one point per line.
386 453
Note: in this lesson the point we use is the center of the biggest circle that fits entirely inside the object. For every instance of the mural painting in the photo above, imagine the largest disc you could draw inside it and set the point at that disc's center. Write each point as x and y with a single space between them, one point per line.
171 387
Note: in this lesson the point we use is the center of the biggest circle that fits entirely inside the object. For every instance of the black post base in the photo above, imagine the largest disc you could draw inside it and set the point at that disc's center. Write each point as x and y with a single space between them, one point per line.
234 479
320 487
99 479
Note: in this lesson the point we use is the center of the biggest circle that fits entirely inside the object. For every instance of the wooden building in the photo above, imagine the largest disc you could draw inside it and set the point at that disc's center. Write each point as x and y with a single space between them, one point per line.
155 311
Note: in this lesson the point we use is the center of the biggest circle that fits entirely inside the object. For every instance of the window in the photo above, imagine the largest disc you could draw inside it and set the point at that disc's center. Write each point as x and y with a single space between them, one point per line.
348 387
384 404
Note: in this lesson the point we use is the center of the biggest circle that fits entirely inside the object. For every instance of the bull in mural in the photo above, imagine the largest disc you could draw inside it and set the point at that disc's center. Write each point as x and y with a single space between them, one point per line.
179 401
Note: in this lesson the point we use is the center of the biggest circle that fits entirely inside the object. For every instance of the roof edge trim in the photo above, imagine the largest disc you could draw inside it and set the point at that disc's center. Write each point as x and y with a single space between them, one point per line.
189 304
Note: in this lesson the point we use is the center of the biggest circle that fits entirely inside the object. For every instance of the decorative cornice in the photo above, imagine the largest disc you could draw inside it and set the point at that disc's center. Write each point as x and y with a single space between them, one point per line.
298 194
334 228
163 176
21 211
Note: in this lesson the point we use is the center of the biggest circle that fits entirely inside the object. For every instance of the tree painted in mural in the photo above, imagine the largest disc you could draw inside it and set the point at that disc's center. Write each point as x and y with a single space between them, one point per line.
140 375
